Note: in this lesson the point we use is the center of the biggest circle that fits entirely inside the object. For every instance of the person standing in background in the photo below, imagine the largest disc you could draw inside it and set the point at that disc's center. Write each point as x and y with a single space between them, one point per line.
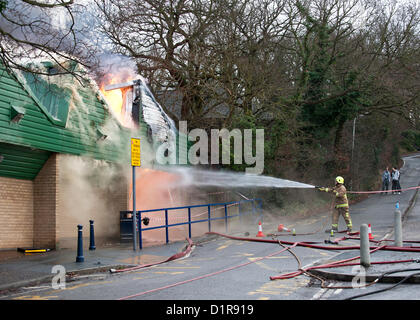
386 178
396 187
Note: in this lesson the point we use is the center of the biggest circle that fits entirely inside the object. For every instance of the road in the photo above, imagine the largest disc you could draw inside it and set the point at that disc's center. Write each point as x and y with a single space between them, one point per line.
224 269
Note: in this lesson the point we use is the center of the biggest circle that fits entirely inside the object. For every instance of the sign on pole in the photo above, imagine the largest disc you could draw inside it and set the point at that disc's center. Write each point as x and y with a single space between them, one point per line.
135 162
135 152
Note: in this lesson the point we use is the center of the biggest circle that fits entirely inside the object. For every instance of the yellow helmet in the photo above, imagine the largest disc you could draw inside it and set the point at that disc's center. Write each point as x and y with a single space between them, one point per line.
339 179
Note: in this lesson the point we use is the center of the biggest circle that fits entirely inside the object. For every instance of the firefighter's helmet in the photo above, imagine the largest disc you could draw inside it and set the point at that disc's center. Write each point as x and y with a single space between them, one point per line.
339 179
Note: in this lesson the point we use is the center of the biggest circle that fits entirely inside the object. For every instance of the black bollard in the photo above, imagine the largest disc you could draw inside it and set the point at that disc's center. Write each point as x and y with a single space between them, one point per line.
80 257
92 236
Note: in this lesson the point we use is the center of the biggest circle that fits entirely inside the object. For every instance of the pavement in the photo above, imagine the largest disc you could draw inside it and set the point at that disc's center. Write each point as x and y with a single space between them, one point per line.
27 270
18 270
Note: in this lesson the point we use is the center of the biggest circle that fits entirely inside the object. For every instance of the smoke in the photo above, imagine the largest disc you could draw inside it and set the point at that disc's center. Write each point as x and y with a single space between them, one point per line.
90 190
115 67
32 31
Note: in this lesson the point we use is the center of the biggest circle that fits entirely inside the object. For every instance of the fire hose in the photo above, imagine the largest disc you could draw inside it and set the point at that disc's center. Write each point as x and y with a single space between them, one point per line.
176 256
315 246
337 264
300 271
378 191
286 276
206 275
388 288
382 191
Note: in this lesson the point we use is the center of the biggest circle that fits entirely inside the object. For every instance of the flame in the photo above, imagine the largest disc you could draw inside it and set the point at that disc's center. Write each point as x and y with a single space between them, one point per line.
115 97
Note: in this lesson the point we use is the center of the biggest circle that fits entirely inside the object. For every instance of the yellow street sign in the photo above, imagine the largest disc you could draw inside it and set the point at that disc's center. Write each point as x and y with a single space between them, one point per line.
135 152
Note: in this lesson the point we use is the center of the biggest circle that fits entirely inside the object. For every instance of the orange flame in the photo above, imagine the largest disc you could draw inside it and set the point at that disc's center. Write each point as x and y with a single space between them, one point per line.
115 97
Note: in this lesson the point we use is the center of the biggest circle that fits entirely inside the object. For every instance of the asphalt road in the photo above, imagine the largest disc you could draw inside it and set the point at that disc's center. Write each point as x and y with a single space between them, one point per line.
224 269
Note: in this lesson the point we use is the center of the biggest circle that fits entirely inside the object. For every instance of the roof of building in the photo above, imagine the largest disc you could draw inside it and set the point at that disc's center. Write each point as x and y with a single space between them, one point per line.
40 115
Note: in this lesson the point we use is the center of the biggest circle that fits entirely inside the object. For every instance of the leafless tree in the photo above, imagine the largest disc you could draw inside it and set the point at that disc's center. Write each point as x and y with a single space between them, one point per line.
216 53
34 30
348 57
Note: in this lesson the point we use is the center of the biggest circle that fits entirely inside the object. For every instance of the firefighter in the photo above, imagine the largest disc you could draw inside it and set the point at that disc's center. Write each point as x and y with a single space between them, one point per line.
341 205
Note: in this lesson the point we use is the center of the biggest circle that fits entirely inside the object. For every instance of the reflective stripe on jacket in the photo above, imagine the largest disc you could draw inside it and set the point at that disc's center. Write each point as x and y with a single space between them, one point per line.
340 192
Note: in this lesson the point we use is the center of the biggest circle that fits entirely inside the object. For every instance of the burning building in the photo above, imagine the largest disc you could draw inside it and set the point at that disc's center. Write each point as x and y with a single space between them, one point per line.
64 155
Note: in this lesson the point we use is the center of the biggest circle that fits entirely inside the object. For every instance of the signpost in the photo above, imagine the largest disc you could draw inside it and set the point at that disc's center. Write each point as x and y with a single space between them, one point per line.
135 162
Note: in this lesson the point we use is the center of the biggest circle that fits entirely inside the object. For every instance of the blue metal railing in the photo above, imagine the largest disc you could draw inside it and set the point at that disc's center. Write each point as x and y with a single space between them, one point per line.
256 208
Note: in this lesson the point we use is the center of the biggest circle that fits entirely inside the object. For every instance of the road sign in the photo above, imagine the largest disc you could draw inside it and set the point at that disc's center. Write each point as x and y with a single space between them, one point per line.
135 152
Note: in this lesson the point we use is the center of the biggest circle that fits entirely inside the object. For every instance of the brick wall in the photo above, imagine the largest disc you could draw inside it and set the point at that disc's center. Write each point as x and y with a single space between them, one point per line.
16 213
67 191
45 197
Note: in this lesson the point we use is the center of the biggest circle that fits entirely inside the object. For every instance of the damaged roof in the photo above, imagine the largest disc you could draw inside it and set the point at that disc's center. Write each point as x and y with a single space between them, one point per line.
42 115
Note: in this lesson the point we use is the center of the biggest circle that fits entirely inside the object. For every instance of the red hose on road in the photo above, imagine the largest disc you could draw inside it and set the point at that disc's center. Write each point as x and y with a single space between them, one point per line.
397 190
205 276
328 265
338 264
377 241
174 257
314 246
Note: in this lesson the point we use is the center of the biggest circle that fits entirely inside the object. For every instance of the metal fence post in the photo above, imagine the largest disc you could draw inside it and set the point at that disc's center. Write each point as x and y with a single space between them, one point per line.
166 223
209 214
226 219
189 222
239 212
134 227
139 227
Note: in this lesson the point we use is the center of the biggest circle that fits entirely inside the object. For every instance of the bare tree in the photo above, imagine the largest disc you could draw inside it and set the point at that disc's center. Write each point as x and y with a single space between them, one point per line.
33 30
217 54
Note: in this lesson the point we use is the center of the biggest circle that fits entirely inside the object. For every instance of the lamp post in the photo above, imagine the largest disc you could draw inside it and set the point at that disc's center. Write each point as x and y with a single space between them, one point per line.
352 153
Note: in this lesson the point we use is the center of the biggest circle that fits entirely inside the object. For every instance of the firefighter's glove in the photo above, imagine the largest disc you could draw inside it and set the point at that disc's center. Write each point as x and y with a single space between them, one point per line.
323 189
